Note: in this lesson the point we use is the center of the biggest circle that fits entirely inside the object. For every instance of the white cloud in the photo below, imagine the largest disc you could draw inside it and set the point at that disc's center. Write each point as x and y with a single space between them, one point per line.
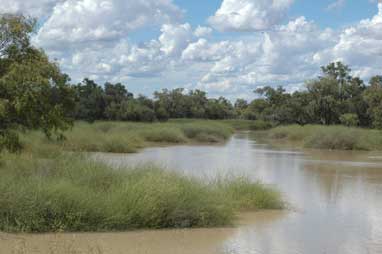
91 38
338 4
36 8
202 31
249 15
175 38
359 46
280 57
82 21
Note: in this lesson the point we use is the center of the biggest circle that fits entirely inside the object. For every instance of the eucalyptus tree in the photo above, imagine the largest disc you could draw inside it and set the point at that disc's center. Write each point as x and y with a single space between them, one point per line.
34 93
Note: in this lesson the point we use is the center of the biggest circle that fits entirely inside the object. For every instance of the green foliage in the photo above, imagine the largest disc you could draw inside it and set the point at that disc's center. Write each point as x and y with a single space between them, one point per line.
129 137
330 99
350 120
114 102
34 94
72 193
329 137
90 101
373 98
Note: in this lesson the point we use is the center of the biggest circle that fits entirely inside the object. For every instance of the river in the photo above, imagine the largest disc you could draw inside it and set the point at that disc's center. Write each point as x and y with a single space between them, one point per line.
335 200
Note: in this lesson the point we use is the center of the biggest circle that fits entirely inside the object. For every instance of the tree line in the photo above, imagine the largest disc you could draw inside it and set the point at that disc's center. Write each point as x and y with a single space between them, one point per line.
35 94
115 102
336 97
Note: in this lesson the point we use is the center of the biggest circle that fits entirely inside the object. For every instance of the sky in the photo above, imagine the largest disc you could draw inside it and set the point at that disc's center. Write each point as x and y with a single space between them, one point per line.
225 47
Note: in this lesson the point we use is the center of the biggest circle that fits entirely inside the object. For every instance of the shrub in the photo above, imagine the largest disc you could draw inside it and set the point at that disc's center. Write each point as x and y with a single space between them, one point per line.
350 120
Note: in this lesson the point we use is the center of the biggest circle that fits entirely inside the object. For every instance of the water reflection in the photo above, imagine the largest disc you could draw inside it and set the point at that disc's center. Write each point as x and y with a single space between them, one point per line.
337 195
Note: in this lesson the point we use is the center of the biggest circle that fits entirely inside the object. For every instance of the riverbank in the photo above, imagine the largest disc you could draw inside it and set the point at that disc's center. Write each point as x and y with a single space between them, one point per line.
185 241
326 137
73 193
130 137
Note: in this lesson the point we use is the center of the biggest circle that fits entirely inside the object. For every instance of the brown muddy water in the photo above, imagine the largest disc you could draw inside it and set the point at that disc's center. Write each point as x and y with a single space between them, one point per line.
336 199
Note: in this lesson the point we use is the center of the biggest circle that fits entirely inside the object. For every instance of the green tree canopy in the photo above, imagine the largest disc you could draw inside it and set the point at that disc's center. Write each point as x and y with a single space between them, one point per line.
34 94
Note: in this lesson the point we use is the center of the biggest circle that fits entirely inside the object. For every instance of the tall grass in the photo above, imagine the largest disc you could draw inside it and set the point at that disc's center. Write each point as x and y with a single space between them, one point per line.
329 137
236 124
129 137
74 193
252 125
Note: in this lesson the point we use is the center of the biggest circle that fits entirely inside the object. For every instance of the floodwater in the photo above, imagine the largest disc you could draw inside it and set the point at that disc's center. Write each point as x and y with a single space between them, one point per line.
335 199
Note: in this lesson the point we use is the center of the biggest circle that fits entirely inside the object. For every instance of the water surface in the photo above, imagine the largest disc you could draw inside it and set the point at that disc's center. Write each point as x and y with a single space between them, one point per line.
336 199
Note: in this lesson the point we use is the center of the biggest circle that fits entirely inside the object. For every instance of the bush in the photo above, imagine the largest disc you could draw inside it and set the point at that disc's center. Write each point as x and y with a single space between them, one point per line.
334 138
329 137
350 120
206 131
164 134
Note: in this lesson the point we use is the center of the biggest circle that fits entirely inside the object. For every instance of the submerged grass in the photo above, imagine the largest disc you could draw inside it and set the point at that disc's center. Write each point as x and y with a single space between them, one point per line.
74 193
329 137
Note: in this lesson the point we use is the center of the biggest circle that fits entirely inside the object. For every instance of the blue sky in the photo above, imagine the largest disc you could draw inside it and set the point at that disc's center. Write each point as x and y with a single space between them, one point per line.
225 47
197 13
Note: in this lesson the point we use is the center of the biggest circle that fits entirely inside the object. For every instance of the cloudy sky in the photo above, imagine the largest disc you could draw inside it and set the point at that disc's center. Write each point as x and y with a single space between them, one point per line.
226 47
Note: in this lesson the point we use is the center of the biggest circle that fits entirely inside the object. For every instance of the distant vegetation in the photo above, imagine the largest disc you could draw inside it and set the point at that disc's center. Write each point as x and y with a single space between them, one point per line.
127 137
334 98
71 193
329 137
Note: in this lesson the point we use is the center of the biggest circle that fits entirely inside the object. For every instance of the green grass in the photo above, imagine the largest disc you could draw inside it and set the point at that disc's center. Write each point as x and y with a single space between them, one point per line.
236 124
255 125
129 137
72 193
329 137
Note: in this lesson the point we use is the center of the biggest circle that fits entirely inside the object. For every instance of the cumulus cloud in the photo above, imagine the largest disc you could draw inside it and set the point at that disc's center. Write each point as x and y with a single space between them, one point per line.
249 15
36 8
91 38
202 31
358 46
175 38
121 60
79 21
281 57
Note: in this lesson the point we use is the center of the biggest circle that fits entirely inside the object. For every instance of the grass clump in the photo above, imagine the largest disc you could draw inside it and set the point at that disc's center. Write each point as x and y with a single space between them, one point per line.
329 137
248 196
73 193
252 125
129 137
206 132
164 135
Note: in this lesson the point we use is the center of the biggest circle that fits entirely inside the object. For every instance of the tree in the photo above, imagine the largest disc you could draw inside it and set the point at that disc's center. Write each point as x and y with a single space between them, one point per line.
90 101
15 33
116 93
373 98
241 106
349 120
34 94
376 81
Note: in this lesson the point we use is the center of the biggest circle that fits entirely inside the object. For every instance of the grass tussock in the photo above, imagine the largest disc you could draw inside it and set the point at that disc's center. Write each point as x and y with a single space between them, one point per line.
73 193
251 125
329 137
129 137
